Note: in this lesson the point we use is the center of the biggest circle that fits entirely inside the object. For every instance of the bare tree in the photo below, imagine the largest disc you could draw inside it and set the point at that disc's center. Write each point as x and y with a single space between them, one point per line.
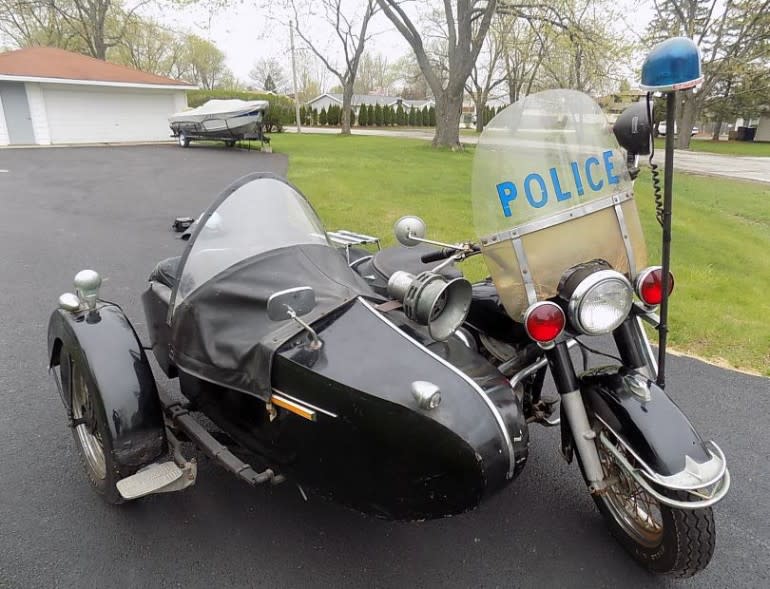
268 72
467 23
352 33
487 74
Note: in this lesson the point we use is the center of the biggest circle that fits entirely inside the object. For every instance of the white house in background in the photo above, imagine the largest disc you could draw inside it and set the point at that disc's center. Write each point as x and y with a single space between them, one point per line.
763 128
51 96
328 99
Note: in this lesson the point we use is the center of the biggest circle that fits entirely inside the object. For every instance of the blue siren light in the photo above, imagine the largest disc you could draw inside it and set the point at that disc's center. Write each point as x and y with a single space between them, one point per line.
672 65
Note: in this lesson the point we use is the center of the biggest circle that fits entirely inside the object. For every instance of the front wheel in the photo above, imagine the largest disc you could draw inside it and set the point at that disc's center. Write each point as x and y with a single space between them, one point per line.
184 140
663 539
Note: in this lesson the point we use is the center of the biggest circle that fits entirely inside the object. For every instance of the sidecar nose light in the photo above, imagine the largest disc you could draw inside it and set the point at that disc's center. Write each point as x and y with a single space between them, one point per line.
649 285
544 321
427 394
601 302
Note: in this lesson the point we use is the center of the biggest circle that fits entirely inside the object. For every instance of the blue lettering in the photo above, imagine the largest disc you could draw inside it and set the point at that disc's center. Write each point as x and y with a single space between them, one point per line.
608 165
596 186
560 196
578 179
528 190
507 192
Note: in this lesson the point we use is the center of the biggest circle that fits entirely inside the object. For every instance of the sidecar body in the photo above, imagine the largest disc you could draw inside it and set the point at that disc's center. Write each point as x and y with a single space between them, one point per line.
352 400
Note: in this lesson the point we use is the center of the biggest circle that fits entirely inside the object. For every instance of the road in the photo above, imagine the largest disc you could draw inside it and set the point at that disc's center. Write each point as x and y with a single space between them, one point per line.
696 162
110 209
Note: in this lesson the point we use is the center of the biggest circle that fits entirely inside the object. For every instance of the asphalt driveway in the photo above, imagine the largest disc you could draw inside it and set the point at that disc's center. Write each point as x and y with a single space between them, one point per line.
110 209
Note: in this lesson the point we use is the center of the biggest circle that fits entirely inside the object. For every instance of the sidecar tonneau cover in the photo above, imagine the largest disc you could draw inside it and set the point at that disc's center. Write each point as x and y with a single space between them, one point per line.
265 238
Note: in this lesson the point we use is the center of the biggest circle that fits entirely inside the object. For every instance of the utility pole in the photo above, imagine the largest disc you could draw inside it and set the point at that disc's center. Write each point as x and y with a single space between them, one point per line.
294 77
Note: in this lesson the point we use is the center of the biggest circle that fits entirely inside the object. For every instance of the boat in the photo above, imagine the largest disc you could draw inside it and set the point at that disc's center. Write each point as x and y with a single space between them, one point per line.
223 120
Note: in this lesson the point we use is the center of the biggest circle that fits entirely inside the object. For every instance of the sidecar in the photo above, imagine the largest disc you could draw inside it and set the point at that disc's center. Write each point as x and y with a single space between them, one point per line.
305 372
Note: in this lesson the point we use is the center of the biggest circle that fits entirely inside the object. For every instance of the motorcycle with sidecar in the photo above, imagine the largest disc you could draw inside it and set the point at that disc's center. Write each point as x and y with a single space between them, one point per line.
387 381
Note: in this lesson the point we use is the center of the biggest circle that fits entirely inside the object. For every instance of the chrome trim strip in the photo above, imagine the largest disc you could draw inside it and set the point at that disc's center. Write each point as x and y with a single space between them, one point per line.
624 234
304 404
716 496
649 355
560 217
663 480
498 418
526 273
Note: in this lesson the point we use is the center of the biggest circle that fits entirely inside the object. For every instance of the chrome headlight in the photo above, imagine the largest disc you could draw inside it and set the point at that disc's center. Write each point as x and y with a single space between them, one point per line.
600 302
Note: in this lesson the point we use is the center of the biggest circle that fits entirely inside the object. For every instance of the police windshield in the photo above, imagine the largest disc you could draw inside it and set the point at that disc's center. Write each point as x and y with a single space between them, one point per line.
260 214
547 175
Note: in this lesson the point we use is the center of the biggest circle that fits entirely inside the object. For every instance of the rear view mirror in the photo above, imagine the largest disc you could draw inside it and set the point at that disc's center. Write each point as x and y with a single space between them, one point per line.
407 229
290 303
633 128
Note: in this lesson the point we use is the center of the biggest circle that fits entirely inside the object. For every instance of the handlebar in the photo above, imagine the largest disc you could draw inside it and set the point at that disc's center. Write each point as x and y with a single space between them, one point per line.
437 255
447 252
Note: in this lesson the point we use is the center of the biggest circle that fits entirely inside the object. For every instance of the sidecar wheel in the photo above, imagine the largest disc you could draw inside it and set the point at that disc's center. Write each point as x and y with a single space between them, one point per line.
91 432
664 540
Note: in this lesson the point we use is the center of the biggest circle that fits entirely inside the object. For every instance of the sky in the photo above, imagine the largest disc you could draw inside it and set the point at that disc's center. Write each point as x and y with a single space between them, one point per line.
247 33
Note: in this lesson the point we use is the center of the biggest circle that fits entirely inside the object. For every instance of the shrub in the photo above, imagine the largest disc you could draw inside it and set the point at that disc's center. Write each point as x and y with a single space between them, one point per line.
370 115
378 119
425 116
410 118
363 119
322 118
314 113
400 115
352 116
432 116
387 116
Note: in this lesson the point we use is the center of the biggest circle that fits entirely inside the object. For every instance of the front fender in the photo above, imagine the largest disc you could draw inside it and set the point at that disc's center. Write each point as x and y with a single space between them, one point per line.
655 429
107 347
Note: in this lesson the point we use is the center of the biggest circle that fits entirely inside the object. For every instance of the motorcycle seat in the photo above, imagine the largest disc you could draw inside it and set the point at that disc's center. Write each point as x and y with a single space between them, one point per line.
392 259
166 272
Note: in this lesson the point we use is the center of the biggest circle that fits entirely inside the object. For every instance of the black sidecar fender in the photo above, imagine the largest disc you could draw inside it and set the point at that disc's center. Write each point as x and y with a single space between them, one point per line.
654 428
105 343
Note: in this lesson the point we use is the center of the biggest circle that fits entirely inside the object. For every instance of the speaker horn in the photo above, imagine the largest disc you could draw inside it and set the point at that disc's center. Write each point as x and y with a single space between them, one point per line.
432 300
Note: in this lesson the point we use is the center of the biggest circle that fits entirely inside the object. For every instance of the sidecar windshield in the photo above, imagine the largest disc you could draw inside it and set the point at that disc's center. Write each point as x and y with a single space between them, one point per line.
547 175
262 214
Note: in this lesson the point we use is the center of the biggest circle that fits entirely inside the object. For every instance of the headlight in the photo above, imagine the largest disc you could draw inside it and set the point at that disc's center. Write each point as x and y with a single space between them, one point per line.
600 302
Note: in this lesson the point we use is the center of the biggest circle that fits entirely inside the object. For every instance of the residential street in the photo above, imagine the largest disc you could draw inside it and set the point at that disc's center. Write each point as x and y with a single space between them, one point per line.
110 209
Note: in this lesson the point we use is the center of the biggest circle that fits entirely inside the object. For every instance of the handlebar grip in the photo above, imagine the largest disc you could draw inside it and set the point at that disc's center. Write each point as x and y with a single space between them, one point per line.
437 255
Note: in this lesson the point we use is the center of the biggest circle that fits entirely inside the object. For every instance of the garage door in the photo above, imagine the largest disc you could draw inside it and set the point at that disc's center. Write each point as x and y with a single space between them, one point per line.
78 115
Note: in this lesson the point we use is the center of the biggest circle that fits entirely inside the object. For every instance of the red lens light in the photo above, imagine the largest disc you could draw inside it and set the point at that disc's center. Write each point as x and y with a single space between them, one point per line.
544 321
650 285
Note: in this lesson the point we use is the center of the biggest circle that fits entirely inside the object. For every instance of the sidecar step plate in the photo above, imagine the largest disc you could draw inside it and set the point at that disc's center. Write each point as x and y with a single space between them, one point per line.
148 480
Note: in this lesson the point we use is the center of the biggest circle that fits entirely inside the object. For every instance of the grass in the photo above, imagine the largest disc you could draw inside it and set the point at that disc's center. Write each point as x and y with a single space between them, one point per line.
721 244
740 148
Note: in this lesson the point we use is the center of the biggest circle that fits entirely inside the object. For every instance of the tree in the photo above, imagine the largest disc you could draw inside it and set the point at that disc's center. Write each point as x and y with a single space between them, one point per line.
732 35
378 118
268 74
315 117
363 119
375 75
411 118
432 116
370 115
352 36
425 117
37 22
487 73
465 25
322 117
205 62
149 47
400 115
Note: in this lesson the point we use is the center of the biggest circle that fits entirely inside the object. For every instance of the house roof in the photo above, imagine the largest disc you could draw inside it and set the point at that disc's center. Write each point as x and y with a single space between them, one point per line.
373 100
52 64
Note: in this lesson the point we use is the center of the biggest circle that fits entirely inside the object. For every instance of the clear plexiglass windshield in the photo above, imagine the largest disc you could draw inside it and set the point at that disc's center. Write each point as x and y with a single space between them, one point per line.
262 214
547 175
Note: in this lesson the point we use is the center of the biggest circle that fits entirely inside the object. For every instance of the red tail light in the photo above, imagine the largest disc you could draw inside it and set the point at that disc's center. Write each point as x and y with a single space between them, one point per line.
649 285
544 321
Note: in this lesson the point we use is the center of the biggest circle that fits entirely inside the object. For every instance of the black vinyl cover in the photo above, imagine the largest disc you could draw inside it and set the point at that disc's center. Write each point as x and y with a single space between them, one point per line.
221 331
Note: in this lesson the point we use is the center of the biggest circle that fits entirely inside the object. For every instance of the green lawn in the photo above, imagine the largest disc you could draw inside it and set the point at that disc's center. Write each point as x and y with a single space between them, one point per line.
721 248
741 148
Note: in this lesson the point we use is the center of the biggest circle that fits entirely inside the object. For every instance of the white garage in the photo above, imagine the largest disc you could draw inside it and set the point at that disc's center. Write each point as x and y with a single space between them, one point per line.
51 96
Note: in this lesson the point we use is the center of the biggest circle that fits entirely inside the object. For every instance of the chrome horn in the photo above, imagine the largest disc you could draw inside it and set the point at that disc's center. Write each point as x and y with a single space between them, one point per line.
432 300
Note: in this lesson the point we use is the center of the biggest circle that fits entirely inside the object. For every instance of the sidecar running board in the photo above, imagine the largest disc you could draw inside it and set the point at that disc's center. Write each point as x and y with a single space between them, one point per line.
180 416
160 477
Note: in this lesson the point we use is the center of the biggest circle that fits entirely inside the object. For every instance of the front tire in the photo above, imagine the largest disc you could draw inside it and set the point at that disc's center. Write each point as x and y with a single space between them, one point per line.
90 430
663 539
184 140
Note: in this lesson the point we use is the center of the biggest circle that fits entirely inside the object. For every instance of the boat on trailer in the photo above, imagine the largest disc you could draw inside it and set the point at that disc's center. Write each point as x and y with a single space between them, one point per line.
221 120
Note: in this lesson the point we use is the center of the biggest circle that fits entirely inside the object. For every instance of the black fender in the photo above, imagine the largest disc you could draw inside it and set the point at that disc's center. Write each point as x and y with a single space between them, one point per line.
655 429
105 344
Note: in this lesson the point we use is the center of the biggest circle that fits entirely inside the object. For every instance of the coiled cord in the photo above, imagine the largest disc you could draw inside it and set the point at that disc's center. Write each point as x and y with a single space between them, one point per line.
654 167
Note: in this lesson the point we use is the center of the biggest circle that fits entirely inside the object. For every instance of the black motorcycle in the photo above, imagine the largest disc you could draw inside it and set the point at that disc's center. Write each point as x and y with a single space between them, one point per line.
390 383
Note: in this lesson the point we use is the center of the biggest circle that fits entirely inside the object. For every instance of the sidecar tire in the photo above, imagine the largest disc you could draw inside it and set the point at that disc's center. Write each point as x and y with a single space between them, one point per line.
104 483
